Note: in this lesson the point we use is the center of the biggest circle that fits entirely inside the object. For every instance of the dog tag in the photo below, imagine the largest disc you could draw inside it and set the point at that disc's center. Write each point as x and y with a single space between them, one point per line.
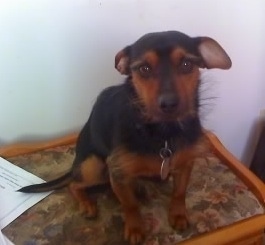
164 171
165 154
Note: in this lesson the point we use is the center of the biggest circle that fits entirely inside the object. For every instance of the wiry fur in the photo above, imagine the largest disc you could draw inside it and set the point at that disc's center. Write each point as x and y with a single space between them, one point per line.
130 123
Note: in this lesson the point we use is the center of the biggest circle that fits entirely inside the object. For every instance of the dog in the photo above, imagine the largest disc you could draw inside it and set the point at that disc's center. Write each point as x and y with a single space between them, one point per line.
148 126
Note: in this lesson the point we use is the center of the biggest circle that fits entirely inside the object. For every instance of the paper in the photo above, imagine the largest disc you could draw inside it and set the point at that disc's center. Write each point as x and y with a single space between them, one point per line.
14 203
4 240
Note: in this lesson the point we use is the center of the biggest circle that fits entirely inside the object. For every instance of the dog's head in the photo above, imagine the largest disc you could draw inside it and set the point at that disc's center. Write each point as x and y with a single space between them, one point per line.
164 70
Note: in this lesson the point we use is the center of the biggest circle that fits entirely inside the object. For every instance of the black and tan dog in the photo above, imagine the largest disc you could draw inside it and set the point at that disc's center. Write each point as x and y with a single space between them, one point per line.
146 127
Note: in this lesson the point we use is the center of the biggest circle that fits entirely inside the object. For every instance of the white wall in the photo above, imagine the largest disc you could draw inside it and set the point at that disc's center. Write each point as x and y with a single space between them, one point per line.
56 55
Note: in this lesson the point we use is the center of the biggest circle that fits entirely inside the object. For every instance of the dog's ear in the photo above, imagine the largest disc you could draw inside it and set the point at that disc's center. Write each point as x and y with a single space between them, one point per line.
213 55
122 60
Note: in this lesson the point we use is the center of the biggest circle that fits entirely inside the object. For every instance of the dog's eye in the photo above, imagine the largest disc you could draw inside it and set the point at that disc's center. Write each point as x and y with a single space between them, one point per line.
186 66
145 70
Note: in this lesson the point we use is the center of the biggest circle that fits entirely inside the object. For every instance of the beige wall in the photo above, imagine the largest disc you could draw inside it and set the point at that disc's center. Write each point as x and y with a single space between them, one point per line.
56 55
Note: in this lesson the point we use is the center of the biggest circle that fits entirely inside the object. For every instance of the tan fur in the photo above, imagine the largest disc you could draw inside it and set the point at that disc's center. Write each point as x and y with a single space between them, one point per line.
92 172
185 85
181 168
125 167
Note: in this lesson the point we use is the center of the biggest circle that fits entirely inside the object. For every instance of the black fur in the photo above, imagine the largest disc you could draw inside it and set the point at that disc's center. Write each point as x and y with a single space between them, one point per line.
116 121
163 43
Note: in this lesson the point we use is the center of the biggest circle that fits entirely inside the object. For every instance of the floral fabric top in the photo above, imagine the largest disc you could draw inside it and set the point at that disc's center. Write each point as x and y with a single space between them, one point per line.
215 198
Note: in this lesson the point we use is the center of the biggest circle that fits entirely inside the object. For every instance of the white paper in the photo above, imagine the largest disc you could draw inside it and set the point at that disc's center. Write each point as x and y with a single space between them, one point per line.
12 203
4 240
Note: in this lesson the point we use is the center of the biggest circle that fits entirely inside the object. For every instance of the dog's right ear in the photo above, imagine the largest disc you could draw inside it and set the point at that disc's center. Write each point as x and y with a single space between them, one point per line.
213 55
122 60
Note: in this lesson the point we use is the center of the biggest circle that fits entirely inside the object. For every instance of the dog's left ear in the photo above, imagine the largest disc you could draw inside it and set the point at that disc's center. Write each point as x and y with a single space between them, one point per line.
213 55
122 60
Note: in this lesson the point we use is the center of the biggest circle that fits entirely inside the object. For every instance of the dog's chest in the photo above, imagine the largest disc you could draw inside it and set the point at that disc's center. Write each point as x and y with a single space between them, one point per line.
149 139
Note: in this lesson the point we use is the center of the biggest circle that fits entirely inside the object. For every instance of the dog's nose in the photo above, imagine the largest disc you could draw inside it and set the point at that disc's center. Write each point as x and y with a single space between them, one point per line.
168 102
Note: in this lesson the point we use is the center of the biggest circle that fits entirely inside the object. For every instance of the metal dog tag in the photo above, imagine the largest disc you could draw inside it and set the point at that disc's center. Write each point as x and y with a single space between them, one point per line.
165 154
164 171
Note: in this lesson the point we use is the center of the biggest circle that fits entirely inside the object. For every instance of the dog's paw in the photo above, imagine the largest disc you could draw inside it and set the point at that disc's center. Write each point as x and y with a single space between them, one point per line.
134 231
178 221
89 209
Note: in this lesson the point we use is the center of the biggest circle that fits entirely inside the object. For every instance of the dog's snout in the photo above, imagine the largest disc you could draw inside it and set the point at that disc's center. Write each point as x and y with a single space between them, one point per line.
168 102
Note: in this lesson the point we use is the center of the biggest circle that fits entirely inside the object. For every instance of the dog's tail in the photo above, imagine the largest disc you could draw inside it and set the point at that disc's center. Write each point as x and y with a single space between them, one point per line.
49 186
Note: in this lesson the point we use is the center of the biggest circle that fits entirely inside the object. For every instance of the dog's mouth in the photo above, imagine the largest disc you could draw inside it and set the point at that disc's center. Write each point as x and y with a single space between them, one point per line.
175 115
166 116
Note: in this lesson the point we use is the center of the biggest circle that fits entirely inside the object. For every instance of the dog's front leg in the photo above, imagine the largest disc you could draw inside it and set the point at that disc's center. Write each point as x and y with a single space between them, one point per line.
177 215
182 164
125 192
124 168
